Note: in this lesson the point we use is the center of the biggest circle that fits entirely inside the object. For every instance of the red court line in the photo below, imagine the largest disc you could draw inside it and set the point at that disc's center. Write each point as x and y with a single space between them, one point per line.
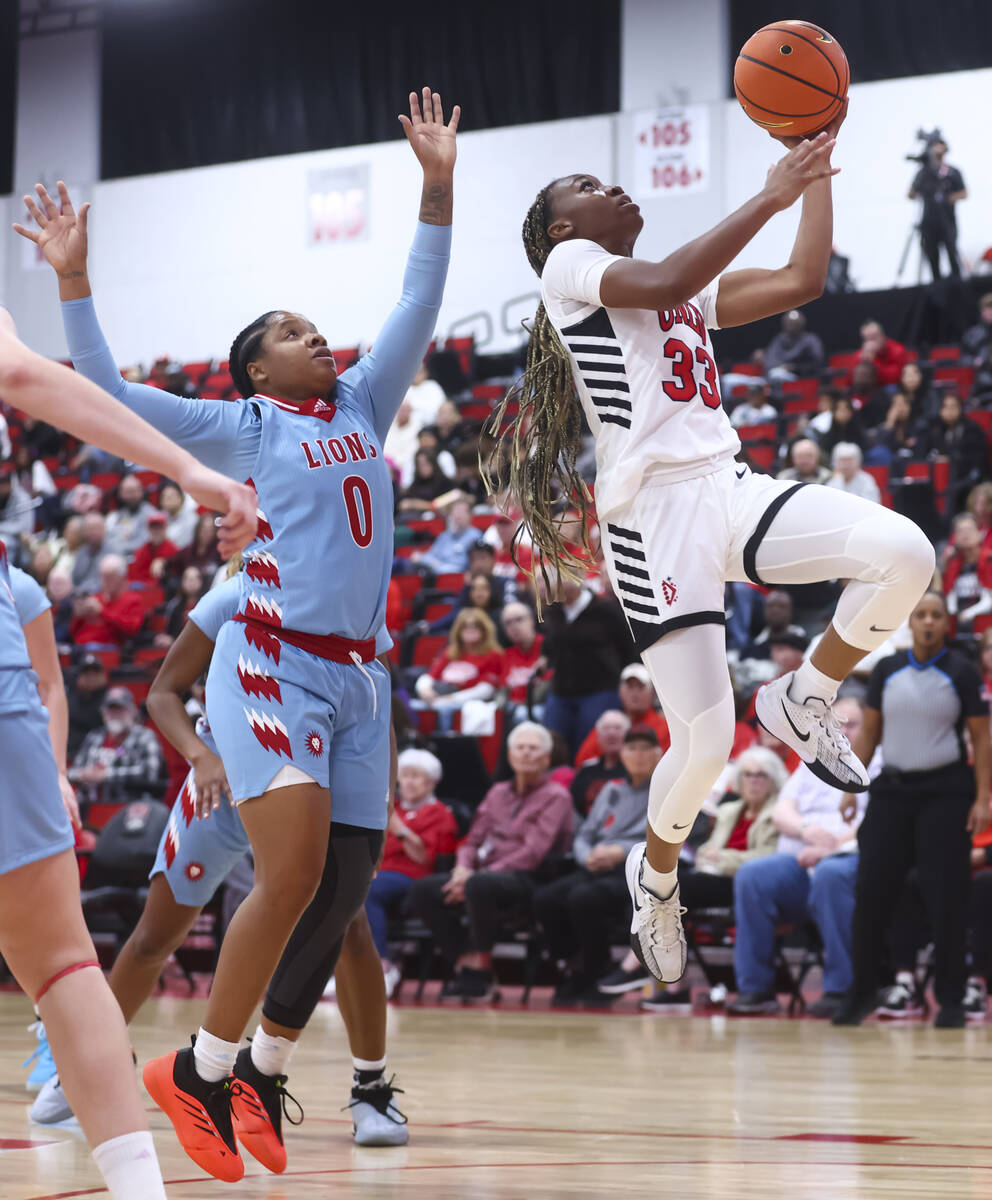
623 1162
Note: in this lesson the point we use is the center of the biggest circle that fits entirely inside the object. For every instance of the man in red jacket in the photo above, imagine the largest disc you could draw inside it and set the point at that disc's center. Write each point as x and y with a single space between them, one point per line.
114 614
887 356
517 825
150 559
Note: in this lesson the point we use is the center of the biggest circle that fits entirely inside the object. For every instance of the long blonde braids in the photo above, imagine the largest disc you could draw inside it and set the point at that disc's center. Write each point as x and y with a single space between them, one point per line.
535 454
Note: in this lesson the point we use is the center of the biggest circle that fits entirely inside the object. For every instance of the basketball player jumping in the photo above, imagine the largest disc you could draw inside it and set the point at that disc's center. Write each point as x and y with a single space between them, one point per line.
679 517
298 705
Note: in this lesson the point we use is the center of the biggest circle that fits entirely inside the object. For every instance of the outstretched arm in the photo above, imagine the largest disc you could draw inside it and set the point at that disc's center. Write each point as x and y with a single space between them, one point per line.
388 369
223 436
49 392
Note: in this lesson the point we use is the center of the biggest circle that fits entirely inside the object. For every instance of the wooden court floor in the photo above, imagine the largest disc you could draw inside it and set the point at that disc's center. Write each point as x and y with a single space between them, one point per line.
533 1105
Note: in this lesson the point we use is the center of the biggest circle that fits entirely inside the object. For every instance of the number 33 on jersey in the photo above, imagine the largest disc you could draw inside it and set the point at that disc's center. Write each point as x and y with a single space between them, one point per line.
647 380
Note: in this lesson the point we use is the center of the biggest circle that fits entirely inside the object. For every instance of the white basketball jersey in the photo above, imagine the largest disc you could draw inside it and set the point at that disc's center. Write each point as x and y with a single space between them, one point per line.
647 380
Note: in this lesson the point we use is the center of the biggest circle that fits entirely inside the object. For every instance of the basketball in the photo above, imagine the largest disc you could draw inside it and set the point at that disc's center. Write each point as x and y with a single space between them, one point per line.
791 78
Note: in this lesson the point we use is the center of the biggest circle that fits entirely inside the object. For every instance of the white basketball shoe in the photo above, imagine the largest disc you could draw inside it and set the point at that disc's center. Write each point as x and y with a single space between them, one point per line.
51 1106
656 935
812 730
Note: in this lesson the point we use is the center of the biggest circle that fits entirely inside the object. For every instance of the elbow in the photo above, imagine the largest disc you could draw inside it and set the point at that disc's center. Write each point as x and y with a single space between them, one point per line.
18 372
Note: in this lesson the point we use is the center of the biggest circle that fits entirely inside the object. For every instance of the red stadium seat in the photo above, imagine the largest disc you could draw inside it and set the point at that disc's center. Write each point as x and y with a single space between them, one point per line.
982 623
961 377
983 417
65 483
806 389
409 586
432 525
343 359
475 412
464 347
761 455
434 612
106 481
427 648
768 430
152 655
99 814
945 353
745 368
453 582
800 406
484 520
488 391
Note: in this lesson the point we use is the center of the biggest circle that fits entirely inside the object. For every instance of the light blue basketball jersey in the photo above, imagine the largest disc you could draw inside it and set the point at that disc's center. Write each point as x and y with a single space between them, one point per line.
321 562
15 666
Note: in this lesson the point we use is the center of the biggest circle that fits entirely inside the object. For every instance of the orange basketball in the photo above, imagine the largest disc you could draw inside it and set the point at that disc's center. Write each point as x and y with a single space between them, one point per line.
791 78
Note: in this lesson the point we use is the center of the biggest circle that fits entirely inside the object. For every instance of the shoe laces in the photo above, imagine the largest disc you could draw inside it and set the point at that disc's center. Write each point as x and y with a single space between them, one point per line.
286 1098
380 1096
42 1050
665 921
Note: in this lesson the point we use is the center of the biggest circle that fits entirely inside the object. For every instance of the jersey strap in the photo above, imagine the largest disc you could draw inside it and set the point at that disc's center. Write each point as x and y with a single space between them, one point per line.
330 645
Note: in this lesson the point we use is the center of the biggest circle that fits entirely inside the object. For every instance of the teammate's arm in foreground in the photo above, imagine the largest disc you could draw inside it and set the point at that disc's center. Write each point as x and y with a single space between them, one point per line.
50 392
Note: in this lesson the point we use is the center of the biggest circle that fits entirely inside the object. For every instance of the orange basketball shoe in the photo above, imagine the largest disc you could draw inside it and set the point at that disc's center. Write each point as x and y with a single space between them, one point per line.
258 1103
200 1113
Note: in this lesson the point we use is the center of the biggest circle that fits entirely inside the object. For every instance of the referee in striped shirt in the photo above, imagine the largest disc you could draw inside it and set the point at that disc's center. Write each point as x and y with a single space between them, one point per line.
923 807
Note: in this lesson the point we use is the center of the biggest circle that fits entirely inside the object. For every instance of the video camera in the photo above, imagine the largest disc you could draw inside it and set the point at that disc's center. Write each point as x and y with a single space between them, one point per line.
926 156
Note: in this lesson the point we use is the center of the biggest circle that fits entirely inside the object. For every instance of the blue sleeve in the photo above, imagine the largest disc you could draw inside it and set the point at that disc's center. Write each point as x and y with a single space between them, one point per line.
380 380
217 607
29 598
224 436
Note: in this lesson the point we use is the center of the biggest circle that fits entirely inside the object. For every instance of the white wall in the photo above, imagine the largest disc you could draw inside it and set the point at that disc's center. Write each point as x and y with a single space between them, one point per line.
673 52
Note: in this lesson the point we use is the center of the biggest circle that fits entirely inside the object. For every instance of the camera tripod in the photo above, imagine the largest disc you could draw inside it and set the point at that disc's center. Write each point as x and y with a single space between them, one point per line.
914 233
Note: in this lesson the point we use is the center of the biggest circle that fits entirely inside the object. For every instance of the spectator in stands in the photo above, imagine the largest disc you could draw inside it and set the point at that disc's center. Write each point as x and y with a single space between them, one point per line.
795 352
450 428
755 408
44 441
967 574
428 439
16 511
468 478
924 402
428 482
845 425
127 525
181 514
111 616
894 441
595 772
810 877
958 438
91 460
85 692
778 620
201 553
37 484
848 476
744 831
805 463
980 507
482 589
637 702
65 546
516 827
400 445
40 562
58 588
424 397
469 668
150 559
449 553
121 759
922 808
499 535
86 565
522 658
869 398
578 912
587 644
192 588
976 349
420 828
887 356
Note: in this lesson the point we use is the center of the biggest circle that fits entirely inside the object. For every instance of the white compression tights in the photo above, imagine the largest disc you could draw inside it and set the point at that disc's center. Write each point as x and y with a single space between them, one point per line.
820 533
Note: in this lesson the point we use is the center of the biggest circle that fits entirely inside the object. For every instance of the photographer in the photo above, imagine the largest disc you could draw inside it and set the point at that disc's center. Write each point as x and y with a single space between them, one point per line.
940 187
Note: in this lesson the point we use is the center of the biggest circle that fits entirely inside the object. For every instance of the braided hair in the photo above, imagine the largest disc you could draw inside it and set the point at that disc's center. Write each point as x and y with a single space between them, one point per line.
536 452
244 348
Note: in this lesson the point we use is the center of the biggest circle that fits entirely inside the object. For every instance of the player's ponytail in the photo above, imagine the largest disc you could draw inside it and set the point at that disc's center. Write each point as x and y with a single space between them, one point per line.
244 349
535 456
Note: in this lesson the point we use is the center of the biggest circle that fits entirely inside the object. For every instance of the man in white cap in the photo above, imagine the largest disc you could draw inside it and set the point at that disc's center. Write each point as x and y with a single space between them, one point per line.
637 700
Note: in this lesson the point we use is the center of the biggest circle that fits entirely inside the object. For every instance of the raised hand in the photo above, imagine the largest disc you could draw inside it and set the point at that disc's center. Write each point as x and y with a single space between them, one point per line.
431 139
61 232
803 165
238 502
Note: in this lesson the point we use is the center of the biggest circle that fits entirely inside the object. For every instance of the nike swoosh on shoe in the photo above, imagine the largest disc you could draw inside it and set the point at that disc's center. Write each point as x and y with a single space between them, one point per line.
803 737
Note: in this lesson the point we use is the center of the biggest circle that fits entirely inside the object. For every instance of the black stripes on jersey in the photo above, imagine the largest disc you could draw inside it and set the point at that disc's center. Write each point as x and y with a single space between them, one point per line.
599 360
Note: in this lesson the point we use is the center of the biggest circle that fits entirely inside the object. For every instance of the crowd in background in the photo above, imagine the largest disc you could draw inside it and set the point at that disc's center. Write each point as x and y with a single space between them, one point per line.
530 834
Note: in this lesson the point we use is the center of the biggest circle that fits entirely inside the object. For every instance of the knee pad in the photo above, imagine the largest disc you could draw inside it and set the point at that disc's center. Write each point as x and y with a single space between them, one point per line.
897 547
683 779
